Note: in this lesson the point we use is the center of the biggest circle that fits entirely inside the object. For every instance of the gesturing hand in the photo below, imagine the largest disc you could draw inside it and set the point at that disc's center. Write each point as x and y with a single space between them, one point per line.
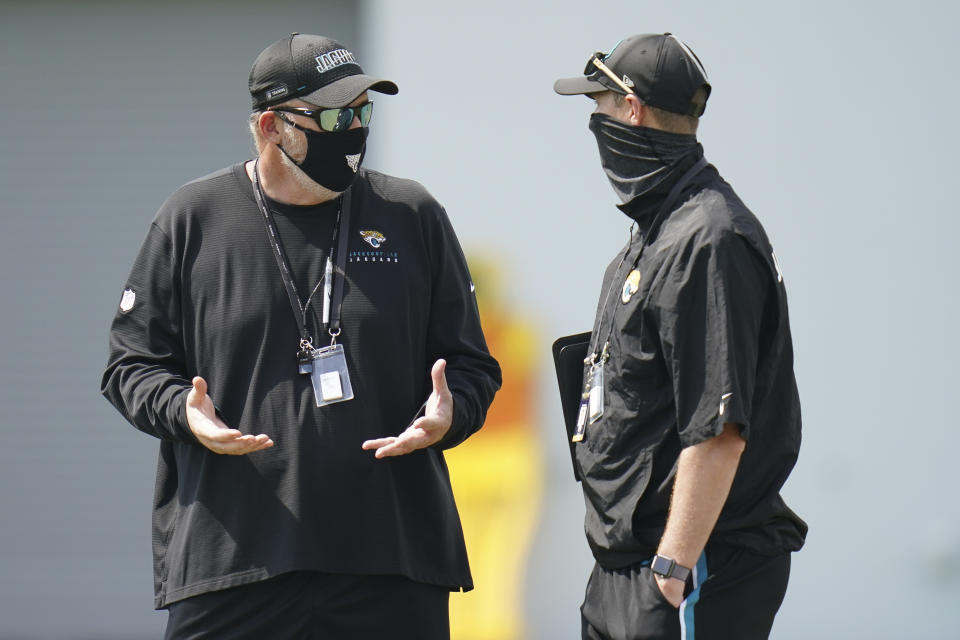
424 431
212 432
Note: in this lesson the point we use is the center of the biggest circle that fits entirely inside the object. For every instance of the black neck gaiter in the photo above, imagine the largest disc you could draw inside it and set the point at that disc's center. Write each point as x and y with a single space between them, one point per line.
332 159
638 160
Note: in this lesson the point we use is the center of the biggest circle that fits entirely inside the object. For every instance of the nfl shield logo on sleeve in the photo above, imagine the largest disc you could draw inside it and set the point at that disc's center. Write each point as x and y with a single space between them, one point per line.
126 302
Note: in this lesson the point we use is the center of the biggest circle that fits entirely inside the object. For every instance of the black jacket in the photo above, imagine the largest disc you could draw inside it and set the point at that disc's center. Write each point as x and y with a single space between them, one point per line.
703 341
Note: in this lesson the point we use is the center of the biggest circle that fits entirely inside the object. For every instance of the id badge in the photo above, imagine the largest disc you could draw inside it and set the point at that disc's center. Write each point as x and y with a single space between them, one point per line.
581 422
591 401
596 392
330 377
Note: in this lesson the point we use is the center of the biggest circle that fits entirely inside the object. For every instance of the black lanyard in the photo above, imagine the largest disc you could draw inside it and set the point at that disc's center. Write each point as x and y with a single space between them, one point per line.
300 308
666 207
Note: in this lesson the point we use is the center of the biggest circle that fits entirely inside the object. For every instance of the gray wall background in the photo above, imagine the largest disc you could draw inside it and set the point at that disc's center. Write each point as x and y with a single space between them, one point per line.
832 120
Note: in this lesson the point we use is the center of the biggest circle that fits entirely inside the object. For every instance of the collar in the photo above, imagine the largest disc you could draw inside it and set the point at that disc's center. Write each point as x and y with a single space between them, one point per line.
643 208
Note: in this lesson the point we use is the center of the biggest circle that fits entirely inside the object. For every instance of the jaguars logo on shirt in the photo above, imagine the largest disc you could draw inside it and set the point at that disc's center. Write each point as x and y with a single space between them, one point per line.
376 240
373 238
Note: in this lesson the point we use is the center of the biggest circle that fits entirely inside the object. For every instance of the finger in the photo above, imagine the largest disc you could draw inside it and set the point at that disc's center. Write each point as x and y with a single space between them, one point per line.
258 441
245 444
393 445
425 425
220 435
410 440
262 441
425 432
259 444
439 375
377 443
397 448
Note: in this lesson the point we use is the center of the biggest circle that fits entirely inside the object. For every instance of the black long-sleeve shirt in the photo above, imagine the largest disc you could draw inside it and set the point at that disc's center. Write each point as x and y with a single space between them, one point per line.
205 298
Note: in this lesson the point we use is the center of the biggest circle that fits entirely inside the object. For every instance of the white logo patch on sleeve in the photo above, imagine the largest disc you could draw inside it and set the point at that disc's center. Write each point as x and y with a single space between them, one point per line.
127 300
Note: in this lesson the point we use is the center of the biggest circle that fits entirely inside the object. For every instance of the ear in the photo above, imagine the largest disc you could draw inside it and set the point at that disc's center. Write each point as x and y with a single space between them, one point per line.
638 113
270 126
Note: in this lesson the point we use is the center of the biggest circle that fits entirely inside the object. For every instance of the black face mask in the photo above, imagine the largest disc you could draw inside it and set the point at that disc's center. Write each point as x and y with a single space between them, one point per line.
637 160
332 159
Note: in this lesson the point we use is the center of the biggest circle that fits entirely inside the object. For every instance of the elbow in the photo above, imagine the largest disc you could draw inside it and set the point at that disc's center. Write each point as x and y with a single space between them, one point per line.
731 439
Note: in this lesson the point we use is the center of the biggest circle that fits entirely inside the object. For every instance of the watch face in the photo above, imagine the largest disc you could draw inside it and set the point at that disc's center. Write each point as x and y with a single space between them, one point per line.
661 565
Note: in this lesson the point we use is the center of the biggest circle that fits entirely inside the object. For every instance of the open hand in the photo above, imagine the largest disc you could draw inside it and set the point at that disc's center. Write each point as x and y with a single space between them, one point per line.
212 432
424 431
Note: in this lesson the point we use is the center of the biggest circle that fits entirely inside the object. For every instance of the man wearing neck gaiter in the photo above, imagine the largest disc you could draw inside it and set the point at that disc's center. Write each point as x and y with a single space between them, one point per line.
690 418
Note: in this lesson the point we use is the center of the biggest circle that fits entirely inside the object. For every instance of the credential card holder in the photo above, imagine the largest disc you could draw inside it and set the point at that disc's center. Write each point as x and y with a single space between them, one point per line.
330 377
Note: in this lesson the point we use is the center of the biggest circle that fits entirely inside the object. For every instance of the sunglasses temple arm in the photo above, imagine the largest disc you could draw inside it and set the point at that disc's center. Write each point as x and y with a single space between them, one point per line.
612 76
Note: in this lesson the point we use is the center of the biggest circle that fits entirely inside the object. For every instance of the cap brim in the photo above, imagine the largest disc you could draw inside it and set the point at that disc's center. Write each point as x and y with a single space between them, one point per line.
577 86
345 90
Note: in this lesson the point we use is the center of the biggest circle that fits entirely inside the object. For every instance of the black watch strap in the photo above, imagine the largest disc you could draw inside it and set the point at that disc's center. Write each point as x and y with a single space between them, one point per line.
668 568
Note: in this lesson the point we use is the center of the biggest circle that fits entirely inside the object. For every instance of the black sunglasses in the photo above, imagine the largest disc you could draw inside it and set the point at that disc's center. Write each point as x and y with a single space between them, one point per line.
333 120
595 67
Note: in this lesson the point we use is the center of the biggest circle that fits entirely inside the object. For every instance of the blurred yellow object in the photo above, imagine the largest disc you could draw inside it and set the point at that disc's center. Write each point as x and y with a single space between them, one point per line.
497 477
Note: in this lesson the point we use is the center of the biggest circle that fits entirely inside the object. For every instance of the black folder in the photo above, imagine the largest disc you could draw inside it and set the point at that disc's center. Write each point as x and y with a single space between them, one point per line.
569 353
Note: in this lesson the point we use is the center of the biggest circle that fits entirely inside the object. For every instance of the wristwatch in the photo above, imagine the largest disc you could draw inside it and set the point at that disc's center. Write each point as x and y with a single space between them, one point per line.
668 568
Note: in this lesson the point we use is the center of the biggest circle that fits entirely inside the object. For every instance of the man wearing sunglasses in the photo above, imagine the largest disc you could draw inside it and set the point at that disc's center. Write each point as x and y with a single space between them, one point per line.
302 336
690 418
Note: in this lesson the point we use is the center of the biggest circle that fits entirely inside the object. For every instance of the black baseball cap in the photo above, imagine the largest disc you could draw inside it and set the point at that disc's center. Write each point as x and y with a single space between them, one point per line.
660 69
316 69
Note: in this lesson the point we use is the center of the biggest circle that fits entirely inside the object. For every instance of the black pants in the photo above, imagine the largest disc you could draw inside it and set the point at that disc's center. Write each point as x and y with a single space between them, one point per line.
734 595
308 605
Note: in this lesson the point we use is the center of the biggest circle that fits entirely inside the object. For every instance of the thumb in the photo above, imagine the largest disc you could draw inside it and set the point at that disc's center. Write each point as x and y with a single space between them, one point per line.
438 374
199 390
